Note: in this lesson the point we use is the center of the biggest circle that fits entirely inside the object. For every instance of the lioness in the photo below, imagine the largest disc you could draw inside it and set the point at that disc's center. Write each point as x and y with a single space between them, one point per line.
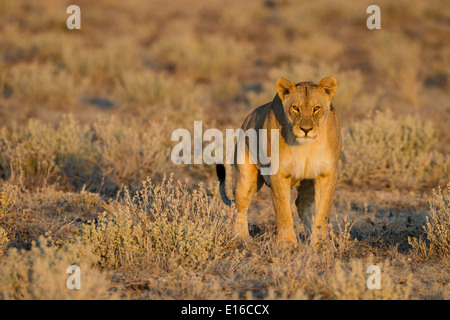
309 149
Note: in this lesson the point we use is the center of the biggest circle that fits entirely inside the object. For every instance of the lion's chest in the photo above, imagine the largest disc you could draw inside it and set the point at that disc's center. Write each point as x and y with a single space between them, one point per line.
308 161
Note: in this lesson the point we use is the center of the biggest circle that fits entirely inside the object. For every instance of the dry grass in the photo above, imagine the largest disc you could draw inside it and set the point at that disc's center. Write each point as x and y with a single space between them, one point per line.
42 275
396 153
436 245
160 225
86 118
37 155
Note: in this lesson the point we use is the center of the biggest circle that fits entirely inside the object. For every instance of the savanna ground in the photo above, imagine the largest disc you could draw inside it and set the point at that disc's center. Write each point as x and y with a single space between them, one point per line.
86 118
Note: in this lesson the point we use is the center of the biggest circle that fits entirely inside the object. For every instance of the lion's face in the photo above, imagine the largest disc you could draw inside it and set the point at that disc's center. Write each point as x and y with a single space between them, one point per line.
306 106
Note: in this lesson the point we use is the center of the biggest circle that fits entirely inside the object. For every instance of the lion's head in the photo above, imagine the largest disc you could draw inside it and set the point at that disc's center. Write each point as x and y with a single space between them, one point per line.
306 105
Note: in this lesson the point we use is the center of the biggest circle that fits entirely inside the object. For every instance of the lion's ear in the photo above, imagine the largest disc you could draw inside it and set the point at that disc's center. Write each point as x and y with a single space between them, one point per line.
284 87
329 84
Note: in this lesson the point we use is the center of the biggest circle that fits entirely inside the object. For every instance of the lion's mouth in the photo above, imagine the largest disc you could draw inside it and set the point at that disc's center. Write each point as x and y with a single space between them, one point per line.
305 139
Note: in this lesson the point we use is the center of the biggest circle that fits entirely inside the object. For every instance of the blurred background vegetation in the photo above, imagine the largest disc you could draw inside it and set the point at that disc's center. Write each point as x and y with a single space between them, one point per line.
86 114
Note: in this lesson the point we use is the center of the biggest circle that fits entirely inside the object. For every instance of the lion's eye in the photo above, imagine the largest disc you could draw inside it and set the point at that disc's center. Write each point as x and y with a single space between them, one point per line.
295 108
316 108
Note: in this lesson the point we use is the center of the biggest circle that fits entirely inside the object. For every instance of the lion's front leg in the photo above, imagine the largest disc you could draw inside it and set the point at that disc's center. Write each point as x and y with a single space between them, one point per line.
281 200
324 191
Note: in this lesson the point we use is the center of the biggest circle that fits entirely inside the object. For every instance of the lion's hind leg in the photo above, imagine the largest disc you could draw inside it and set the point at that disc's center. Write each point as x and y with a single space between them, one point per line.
246 185
304 203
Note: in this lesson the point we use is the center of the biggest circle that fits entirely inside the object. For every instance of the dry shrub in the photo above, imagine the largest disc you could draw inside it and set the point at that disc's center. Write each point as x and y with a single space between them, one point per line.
203 59
304 273
26 215
32 166
101 65
437 229
160 223
349 282
333 272
341 241
127 154
311 48
185 285
11 198
40 273
71 144
15 222
38 154
384 151
147 87
43 47
40 83
397 60
3 240
157 95
301 274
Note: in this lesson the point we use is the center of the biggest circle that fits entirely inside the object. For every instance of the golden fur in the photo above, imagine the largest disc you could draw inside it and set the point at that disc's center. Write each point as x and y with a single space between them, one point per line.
309 149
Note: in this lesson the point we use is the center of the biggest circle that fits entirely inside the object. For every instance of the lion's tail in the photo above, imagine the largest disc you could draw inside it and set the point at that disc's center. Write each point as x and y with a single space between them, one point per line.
221 175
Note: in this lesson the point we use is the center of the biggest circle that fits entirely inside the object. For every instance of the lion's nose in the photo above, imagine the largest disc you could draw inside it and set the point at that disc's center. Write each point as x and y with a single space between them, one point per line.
306 129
